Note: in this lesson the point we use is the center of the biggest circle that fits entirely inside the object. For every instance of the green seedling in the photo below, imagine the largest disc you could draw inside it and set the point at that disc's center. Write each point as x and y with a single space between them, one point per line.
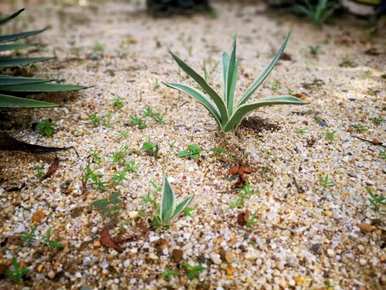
314 50
325 181
188 212
119 156
131 166
119 177
359 128
193 271
276 86
382 154
330 135
118 103
16 272
95 119
169 209
46 128
109 207
49 242
138 121
301 131
96 157
156 116
218 150
39 171
227 112
192 152
245 193
318 13
376 201
107 120
150 148
29 238
95 178
377 120
169 274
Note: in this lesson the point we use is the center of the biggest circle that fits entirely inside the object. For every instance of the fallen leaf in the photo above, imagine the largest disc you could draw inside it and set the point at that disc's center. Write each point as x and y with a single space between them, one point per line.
107 241
286 57
52 169
372 51
38 216
241 171
177 255
160 245
366 228
242 218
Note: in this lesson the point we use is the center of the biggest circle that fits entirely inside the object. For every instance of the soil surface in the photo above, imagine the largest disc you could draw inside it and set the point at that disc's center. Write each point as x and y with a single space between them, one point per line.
306 221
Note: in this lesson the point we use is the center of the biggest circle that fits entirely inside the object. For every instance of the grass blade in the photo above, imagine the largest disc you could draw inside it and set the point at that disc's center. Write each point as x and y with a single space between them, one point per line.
16 36
7 101
15 46
168 202
225 64
182 205
21 61
201 98
5 19
231 78
255 85
204 85
244 110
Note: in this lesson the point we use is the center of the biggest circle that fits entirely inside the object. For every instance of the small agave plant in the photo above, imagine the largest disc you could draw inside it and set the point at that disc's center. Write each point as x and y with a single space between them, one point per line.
169 209
227 111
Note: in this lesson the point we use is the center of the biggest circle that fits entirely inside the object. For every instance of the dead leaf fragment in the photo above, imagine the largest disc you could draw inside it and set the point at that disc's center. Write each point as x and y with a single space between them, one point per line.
107 241
160 245
366 228
52 169
177 255
242 218
38 216
241 171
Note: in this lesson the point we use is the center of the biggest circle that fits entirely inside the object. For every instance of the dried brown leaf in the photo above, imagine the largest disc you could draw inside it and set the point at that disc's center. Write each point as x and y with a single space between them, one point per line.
52 169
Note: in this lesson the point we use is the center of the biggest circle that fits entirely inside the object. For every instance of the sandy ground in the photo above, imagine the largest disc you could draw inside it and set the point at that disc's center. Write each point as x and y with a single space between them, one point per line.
306 234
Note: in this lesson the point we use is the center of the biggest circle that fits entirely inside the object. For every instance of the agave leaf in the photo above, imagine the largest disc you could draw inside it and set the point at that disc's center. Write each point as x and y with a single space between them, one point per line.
14 46
168 202
43 88
200 97
231 78
244 110
204 85
225 64
256 84
182 205
16 36
12 81
5 19
7 101
21 61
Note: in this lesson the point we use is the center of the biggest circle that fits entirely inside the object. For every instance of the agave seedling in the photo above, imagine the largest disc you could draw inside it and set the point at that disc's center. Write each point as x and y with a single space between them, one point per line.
227 111
319 12
169 209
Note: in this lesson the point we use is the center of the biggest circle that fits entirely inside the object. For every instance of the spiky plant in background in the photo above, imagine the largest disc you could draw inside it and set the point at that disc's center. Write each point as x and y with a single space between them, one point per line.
226 110
165 7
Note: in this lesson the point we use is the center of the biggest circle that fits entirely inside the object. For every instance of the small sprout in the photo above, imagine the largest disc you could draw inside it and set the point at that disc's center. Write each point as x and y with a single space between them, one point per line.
169 209
377 201
95 119
95 178
109 207
359 128
119 177
96 157
188 211
98 48
251 220
325 181
314 50
192 152
218 150
330 135
156 116
301 131
276 86
107 120
131 166
169 274
377 120
46 128
138 121
318 12
16 272
52 244
29 237
119 156
150 148
39 171
245 193
382 154
123 134
118 103
193 271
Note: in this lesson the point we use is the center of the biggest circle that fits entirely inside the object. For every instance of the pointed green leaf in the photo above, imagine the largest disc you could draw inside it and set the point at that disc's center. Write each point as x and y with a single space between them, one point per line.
12 81
204 85
168 202
15 46
200 97
5 19
256 84
231 78
244 110
16 36
20 61
43 88
7 101
182 205
225 64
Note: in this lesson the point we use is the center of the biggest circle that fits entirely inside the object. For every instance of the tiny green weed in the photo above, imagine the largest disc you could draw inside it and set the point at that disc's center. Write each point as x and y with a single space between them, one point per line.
330 135
318 13
29 238
16 272
326 181
119 156
39 171
109 207
314 50
382 154
46 128
150 148
119 177
49 242
359 128
118 103
376 201
156 116
245 193
95 178
138 122
192 152
193 271
301 131
377 120
169 274
96 157
95 119
131 166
